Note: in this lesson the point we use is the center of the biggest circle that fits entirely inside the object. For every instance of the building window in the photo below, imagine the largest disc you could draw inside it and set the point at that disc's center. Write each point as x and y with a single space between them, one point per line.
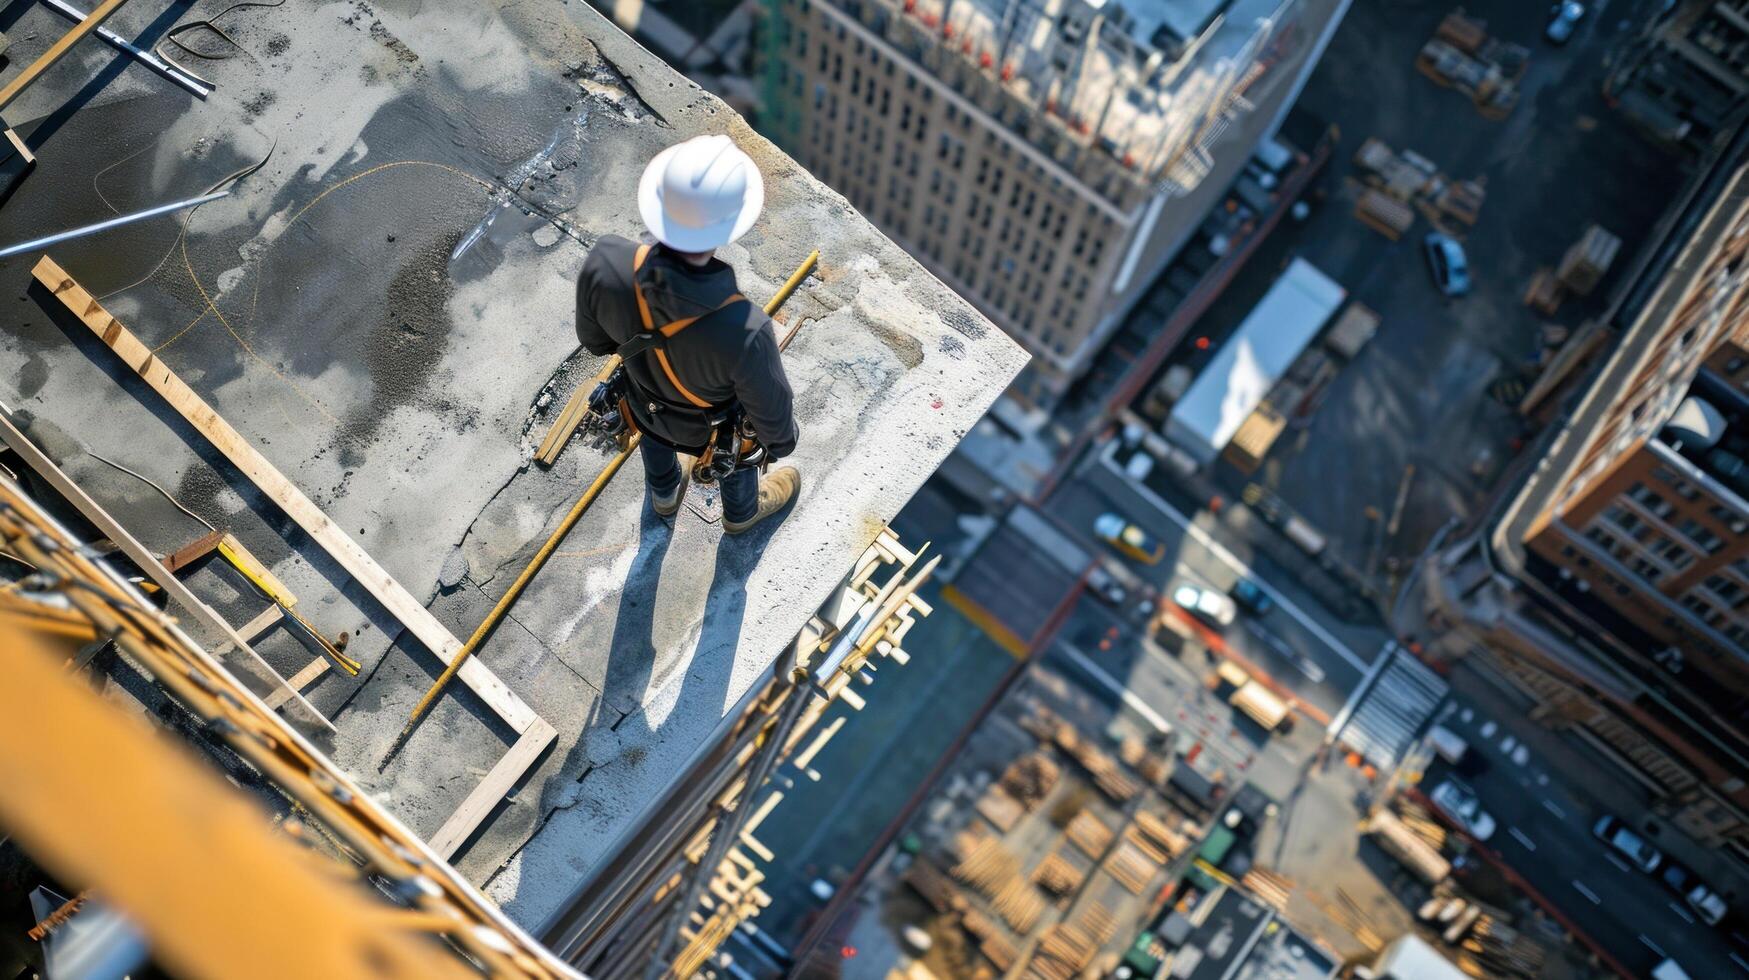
1727 589
1643 495
1673 552
1646 569
1700 535
1625 520
1729 518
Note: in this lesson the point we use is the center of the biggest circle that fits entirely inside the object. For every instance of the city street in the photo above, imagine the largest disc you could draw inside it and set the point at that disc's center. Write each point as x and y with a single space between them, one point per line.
1311 653
1544 834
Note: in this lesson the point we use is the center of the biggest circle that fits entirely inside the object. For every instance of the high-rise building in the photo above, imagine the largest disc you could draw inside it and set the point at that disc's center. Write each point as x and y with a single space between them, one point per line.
1684 78
1614 588
1045 158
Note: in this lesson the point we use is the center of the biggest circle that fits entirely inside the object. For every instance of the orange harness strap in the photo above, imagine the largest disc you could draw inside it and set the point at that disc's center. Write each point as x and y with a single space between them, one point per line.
669 329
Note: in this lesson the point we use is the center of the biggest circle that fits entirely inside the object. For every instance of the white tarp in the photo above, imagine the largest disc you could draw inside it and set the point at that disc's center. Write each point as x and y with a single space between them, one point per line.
1253 360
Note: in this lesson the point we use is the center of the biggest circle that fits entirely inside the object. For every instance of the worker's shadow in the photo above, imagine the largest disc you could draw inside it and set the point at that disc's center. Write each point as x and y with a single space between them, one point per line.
703 683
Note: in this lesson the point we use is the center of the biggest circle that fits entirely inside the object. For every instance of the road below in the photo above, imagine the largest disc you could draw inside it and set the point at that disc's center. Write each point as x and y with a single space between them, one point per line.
1310 654
1544 834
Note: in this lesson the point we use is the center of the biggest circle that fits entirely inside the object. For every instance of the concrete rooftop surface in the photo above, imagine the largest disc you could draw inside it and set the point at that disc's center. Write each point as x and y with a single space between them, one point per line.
384 309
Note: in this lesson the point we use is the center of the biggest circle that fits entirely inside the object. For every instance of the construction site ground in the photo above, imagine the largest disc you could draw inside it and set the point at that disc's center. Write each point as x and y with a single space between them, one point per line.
384 310
1431 389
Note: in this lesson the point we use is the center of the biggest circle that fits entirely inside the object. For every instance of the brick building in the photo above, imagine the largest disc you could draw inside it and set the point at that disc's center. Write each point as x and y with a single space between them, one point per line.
1044 160
1614 588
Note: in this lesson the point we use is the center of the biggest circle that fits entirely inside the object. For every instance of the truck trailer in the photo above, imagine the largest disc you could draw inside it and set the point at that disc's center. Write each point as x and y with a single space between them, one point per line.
1249 364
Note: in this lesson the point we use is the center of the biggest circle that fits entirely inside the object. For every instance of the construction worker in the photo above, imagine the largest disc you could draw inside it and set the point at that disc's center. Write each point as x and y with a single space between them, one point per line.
700 355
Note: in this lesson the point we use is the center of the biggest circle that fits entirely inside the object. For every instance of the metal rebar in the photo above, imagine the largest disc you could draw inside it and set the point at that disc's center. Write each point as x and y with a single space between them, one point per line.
115 222
199 88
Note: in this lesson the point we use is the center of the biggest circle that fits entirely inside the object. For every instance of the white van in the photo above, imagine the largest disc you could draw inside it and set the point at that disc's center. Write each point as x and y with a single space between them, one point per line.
1668 970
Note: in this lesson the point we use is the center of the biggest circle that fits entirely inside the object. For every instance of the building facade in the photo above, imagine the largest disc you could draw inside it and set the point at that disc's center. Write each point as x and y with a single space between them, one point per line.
1614 589
1045 159
1684 78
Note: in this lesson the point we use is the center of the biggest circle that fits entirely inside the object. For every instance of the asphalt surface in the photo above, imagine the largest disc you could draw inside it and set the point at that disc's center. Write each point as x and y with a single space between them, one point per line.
1297 642
1430 390
1544 833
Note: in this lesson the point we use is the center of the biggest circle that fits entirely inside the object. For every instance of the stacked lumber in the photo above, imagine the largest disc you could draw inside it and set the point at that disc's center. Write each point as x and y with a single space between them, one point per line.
1040 722
1464 33
995 946
1062 953
1270 888
1160 836
1545 292
1383 213
1089 835
1110 779
1504 951
1131 751
985 865
1030 778
1588 260
1002 810
1058 875
934 887
1018 903
1422 825
1461 200
1131 867
1351 918
1099 922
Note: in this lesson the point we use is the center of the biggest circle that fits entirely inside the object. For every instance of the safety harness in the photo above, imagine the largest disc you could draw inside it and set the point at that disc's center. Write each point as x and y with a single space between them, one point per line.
731 443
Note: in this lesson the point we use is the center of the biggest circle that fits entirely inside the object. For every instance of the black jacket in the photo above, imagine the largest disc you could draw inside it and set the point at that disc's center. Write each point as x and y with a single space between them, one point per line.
727 358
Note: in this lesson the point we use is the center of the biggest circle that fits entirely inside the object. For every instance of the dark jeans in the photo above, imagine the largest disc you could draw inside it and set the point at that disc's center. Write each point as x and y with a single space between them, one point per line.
740 489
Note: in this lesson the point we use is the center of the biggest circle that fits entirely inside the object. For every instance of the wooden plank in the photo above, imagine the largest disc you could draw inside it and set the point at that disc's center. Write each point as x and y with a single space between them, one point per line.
300 680
259 625
138 553
58 50
559 436
193 551
467 817
336 542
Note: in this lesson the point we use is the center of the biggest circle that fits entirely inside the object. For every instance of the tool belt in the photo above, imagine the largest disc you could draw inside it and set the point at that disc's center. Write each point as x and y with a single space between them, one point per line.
723 431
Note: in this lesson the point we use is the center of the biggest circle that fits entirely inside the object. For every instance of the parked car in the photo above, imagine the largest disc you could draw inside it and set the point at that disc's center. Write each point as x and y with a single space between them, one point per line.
1206 604
1694 891
1616 834
1460 804
1564 19
1128 539
1106 586
1451 269
1251 597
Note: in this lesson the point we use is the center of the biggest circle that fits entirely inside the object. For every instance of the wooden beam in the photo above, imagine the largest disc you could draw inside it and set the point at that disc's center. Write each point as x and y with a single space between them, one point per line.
300 680
193 551
499 781
559 436
336 542
137 552
58 50
257 626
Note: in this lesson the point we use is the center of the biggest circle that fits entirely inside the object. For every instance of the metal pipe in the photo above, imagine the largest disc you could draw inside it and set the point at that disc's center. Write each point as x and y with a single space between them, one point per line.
187 80
115 222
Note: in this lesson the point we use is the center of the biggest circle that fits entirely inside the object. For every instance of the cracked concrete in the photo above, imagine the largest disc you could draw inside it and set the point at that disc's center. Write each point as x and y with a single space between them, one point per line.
385 310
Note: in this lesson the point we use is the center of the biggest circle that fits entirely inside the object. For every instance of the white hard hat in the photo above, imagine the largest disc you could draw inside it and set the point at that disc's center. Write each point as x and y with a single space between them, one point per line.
701 194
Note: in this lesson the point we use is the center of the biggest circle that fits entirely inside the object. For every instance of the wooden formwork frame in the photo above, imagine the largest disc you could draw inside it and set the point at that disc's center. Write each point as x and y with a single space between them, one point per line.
534 733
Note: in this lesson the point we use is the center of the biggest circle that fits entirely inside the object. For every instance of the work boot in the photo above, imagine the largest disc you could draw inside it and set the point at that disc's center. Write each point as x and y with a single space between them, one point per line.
776 490
670 505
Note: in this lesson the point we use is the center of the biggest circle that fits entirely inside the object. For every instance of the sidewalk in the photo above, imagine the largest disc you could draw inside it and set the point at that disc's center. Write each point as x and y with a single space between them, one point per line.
1602 782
